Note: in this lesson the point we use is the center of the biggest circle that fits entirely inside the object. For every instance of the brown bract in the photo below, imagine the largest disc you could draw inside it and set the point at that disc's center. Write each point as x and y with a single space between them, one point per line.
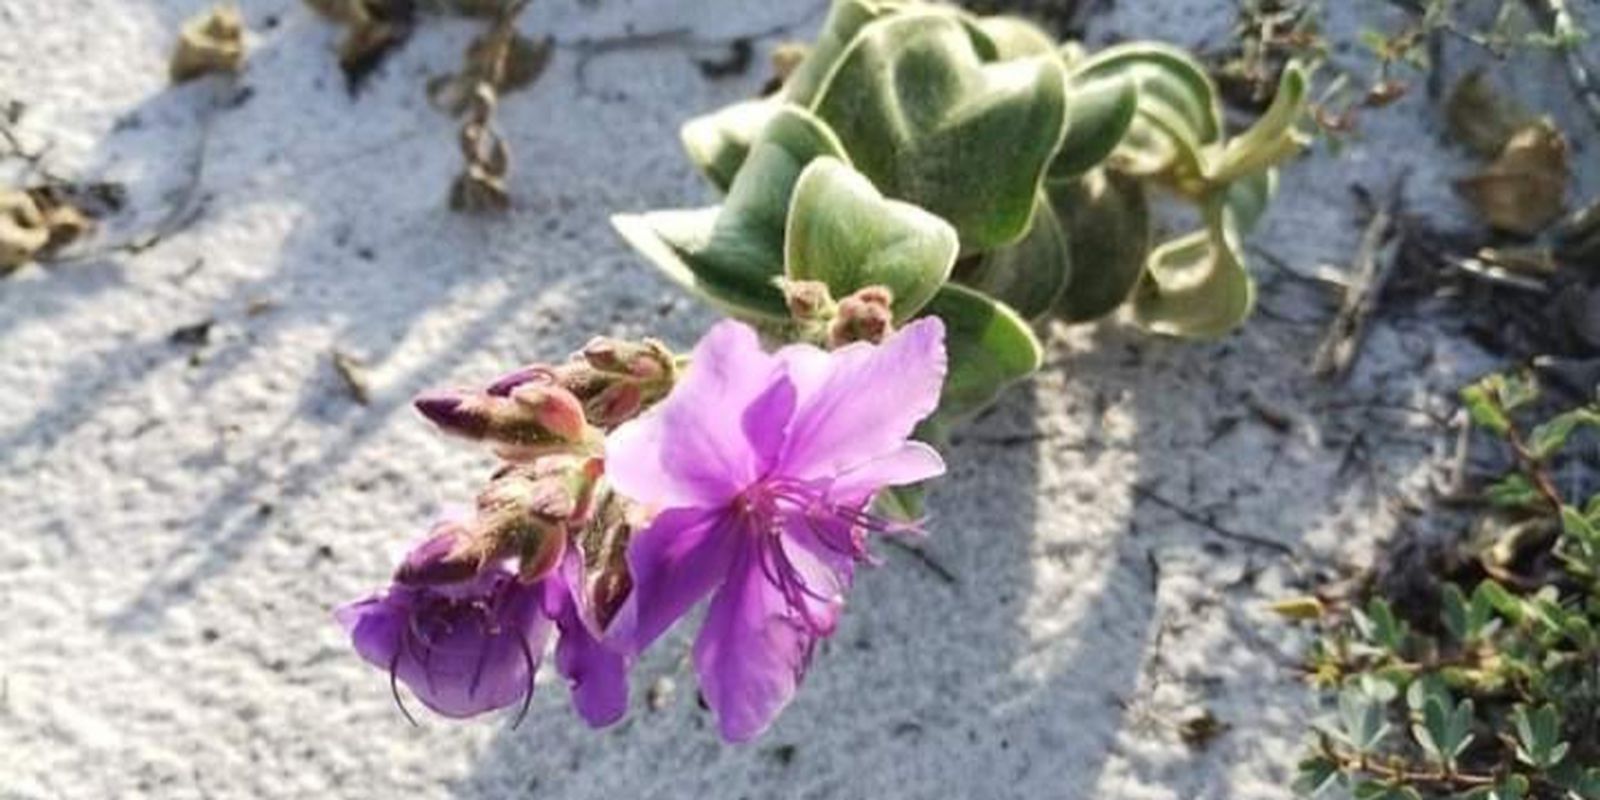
211 42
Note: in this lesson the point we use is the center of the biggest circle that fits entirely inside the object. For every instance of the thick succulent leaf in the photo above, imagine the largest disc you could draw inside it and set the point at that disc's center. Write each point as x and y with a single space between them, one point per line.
1014 37
1246 199
718 142
1031 273
1107 220
731 253
845 19
1196 286
1177 114
989 345
1098 118
737 279
843 232
1273 137
928 122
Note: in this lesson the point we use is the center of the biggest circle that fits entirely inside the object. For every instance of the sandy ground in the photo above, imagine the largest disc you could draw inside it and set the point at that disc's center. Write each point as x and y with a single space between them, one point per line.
178 519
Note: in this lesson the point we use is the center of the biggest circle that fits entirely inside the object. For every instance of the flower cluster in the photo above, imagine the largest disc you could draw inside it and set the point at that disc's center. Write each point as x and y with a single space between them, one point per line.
632 488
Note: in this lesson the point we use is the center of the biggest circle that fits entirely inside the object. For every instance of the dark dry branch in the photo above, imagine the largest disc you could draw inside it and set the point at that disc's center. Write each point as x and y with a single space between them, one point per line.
1370 270
1183 513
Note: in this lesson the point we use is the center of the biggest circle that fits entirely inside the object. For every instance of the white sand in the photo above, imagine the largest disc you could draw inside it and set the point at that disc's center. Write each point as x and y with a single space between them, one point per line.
178 520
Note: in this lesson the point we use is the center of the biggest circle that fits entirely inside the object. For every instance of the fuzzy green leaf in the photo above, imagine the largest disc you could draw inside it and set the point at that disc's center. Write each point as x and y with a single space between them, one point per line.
1101 111
1030 274
719 142
1107 221
989 346
842 232
930 123
731 254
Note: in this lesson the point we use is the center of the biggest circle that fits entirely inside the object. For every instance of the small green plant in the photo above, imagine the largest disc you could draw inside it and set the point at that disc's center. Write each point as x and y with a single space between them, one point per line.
1494 694
983 173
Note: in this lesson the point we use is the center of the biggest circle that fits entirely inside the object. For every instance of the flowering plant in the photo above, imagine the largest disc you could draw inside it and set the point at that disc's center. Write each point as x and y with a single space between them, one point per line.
922 185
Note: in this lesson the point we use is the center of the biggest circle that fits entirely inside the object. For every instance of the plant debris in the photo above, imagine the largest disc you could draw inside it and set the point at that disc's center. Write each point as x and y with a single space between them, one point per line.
375 28
1482 118
499 59
354 376
1524 190
211 42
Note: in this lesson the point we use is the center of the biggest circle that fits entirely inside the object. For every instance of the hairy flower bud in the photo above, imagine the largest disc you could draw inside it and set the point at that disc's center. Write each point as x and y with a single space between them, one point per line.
864 316
616 379
529 512
526 420
808 301
606 581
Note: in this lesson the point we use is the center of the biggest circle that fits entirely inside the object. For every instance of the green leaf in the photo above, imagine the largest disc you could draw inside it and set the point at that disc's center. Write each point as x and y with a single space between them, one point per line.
1446 729
1379 625
1245 200
1545 440
1363 722
1014 37
731 254
1272 138
717 143
989 347
1177 111
845 19
1513 491
1315 775
1107 221
1482 401
1196 286
1539 742
928 122
1032 273
843 233
1101 110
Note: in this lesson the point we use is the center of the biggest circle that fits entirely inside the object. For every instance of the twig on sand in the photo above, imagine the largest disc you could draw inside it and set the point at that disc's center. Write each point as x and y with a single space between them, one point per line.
185 208
1146 493
1369 272
924 558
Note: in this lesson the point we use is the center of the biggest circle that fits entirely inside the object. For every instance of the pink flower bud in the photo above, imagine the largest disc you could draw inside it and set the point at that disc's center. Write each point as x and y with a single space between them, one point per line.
864 316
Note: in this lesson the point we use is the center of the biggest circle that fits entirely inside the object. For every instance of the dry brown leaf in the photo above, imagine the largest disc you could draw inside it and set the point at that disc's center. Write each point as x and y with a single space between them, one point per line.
1480 117
1524 190
211 42
344 12
22 229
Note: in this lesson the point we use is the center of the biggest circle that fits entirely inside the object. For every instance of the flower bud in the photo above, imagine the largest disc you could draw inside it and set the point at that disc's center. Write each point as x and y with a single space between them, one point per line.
529 512
438 560
531 418
616 379
606 581
864 316
808 301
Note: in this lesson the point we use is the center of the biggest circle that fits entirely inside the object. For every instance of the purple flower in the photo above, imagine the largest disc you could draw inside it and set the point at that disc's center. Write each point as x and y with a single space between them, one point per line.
468 641
762 467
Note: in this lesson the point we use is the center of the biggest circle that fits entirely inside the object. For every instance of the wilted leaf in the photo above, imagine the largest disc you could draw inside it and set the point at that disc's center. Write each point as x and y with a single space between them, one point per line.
928 122
1177 111
22 229
843 232
1524 190
1306 607
210 42
1481 117
1196 286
